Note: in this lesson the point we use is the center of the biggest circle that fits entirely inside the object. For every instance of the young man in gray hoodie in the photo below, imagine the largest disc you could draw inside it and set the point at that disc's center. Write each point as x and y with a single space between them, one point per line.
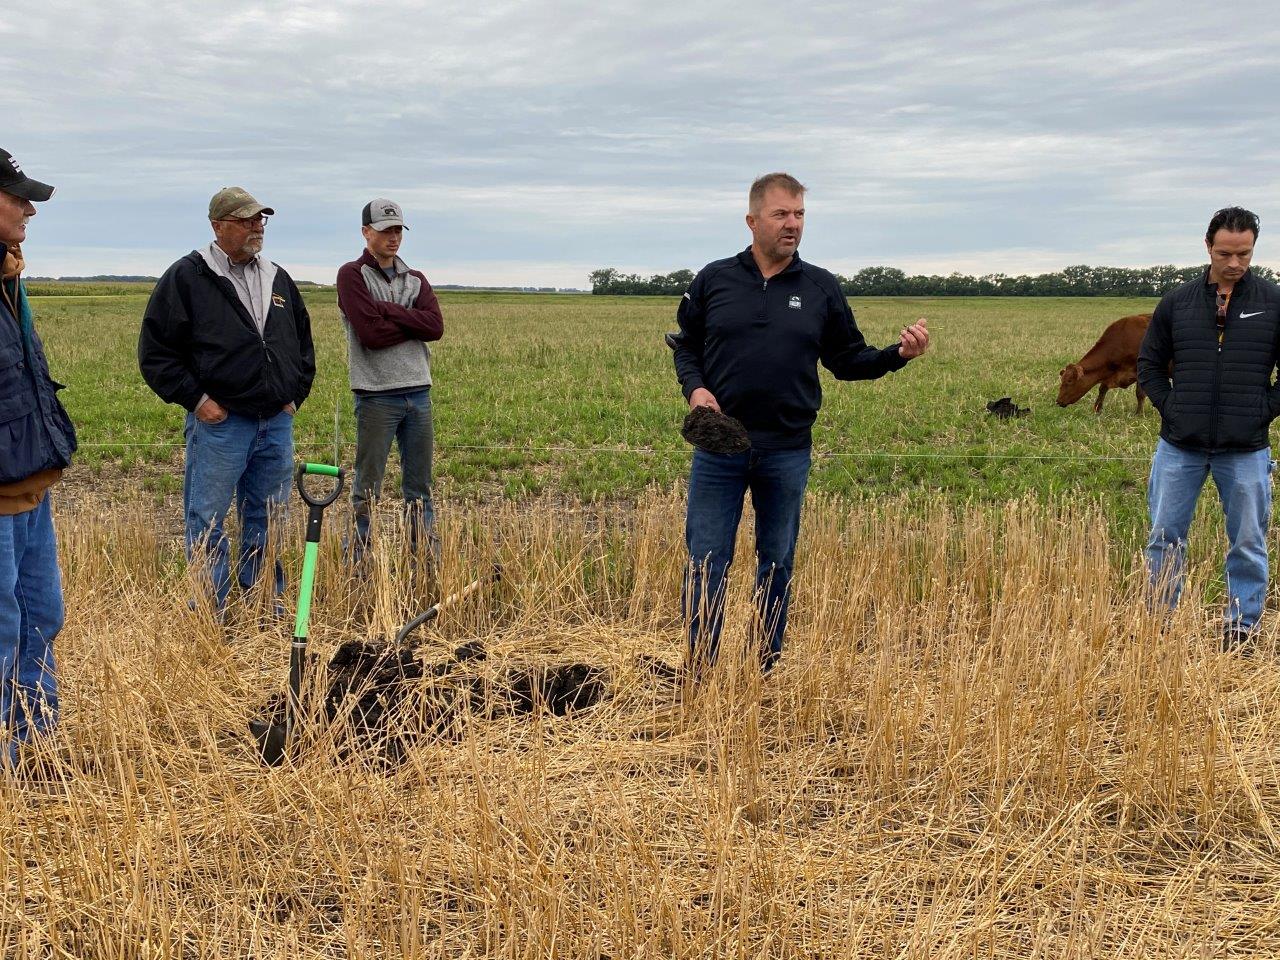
390 313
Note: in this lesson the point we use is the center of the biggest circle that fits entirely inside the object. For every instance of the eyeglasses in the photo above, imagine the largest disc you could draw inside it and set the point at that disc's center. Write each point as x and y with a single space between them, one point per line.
261 218
1223 300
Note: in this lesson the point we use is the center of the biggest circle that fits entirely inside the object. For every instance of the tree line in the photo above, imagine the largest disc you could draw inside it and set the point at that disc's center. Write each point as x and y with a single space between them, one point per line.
1077 281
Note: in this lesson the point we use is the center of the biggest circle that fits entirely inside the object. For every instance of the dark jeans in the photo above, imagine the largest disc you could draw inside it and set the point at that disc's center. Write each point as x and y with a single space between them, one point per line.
247 458
718 484
406 419
30 617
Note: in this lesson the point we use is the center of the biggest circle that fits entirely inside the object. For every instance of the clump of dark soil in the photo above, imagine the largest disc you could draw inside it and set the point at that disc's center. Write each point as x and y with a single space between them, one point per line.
471 650
386 699
1006 409
715 432
559 690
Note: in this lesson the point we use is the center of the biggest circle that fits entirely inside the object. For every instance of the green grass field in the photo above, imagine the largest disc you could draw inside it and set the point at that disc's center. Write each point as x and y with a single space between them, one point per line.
576 395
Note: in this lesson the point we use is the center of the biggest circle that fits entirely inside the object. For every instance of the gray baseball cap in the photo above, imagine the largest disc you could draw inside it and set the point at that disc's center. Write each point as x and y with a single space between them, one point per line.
234 203
382 213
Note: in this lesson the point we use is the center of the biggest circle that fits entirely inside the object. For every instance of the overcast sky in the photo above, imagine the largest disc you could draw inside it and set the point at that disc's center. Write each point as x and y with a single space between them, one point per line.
532 142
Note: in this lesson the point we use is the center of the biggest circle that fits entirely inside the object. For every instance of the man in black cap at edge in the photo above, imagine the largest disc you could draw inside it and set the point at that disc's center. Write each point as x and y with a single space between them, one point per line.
36 443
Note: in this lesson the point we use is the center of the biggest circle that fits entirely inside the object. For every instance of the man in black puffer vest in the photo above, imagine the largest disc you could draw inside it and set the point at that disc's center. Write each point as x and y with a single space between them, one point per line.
1217 336
36 443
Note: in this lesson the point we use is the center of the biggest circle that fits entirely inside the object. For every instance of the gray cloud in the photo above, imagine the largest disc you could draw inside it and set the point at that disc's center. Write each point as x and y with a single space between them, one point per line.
532 141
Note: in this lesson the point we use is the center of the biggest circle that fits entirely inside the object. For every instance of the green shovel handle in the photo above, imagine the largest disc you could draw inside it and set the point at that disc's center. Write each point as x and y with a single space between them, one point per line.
315 515
298 650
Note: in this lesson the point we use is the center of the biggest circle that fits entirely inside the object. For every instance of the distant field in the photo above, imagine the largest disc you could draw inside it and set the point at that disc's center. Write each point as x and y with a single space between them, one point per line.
576 395
86 288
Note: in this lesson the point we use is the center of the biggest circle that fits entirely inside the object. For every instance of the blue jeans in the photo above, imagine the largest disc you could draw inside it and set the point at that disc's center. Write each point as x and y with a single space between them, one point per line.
718 484
30 617
406 419
1244 486
250 459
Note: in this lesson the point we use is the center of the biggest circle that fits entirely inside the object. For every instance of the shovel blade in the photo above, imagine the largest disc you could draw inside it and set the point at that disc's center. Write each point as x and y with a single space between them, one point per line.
272 738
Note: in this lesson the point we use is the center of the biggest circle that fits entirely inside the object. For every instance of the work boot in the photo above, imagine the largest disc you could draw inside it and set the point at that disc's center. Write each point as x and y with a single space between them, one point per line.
1237 639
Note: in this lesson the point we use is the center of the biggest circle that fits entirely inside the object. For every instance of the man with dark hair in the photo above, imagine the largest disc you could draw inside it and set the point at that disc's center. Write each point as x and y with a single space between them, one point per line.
36 443
753 329
390 313
227 337
1217 337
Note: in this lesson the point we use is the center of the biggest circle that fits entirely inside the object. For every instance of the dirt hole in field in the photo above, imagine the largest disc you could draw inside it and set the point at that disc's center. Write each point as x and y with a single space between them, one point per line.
557 689
384 700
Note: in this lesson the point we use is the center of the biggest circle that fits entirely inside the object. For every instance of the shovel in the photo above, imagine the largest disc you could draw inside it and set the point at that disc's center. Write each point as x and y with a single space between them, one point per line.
273 738
431 613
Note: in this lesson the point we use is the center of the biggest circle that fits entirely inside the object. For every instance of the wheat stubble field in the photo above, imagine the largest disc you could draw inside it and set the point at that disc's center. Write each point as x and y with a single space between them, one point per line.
977 744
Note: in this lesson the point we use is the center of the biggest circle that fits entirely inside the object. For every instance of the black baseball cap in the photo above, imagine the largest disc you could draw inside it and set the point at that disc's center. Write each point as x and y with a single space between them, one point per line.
14 181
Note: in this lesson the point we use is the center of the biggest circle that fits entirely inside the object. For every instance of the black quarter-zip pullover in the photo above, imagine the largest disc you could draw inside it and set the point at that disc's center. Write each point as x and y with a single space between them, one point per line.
756 344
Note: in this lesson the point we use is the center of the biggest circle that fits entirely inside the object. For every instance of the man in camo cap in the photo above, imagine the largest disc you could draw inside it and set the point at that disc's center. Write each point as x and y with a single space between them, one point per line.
227 337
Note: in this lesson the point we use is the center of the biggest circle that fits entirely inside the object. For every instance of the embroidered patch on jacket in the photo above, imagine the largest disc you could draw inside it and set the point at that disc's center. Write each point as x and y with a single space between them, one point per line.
277 300
794 304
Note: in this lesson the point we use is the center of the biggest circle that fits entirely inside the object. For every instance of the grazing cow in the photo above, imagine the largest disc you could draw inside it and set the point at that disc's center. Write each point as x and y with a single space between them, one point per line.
1112 362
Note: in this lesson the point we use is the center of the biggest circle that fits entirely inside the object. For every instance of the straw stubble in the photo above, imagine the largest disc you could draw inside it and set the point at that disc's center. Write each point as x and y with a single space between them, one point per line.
977 743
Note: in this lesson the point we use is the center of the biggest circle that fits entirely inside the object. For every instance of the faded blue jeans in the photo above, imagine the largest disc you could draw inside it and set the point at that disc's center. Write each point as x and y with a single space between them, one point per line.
718 484
1244 486
406 419
30 617
250 459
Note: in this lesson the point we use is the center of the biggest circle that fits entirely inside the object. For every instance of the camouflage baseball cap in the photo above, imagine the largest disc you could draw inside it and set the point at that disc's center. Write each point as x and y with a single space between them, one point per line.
235 203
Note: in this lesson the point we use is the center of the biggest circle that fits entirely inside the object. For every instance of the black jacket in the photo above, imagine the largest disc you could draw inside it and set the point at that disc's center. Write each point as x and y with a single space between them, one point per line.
1222 397
198 338
35 432
756 344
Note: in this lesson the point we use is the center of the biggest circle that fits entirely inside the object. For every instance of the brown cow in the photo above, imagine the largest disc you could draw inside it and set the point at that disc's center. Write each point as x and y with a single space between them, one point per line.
1112 362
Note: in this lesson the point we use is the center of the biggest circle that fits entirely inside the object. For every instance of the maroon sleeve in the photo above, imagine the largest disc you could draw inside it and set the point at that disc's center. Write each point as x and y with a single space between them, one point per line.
372 328
422 321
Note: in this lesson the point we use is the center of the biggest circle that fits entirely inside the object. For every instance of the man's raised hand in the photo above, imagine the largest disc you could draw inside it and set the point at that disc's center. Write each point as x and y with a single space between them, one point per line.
914 340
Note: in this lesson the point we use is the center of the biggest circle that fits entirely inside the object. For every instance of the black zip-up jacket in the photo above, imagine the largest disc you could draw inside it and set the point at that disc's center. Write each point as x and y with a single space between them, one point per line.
756 344
197 338
1222 397
35 432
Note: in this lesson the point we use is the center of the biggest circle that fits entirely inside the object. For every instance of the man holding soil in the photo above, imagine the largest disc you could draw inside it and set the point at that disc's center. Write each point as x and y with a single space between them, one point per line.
390 313
753 329
36 443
